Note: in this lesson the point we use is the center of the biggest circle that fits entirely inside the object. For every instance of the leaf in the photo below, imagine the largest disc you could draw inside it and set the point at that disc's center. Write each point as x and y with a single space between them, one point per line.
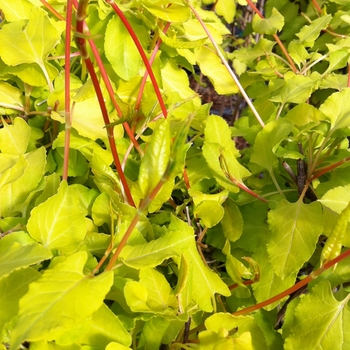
267 141
17 256
15 194
308 34
10 98
183 290
303 114
320 321
121 50
48 223
12 168
180 44
298 52
211 66
105 328
337 198
232 222
295 229
296 89
227 9
62 290
337 59
337 109
28 45
174 13
17 10
269 25
12 289
151 254
156 159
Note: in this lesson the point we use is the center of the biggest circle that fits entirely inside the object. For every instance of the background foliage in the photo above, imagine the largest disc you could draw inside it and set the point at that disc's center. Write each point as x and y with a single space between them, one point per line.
128 216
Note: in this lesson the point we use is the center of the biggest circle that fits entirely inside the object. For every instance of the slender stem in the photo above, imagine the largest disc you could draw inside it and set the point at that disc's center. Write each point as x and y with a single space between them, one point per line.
317 6
225 63
278 40
52 10
328 168
81 44
294 288
142 53
68 120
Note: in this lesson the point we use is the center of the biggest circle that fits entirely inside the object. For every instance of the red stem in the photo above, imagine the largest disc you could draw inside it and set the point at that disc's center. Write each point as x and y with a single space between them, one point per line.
317 6
329 168
68 120
81 44
294 288
52 10
142 53
279 42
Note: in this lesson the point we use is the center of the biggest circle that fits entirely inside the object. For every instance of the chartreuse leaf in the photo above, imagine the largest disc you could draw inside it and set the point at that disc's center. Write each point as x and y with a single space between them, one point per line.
308 34
14 194
48 223
156 159
267 141
174 13
225 331
11 168
298 52
105 328
62 290
232 221
320 321
44 345
183 290
122 53
14 139
226 9
12 289
337 109
211 66
10 98
159 330
337 198
116 346
295 230
29 45
268 25
153 253
19 9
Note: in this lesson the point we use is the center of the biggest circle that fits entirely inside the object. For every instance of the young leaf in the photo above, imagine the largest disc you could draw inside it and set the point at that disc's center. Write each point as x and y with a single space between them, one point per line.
121 50
320 321
232 222
295 229
12 289
227 9
156 159
174 13
310 33
10 97
62 290
337 198
269 25
17 10
48 223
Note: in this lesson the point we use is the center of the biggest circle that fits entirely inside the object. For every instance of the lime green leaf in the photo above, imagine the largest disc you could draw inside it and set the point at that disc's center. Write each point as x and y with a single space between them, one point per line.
160 294
267 141
296 89
121 53
269 25
211 66
336 109
205 282
11 168
298 52
28 45
308 34
17 10
48 221
156 159
320 321
337 59
337 198
14 139
17 256
136 295
116 346
174 13
14 194
232 222
44 345
62 290
10 97
303 114
183 289
12 289
227 9
153 253
295 228
105 328
180 44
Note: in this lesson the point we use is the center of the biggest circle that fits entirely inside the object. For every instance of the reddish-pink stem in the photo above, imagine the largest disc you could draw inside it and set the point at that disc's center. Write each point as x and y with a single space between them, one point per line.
142 53
52 10
329 168
68 120
294 288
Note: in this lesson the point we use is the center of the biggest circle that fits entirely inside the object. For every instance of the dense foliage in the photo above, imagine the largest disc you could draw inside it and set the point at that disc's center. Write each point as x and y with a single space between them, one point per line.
128 217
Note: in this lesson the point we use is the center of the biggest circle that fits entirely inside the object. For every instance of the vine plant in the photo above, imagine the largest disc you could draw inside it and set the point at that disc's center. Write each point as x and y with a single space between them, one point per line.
128 217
